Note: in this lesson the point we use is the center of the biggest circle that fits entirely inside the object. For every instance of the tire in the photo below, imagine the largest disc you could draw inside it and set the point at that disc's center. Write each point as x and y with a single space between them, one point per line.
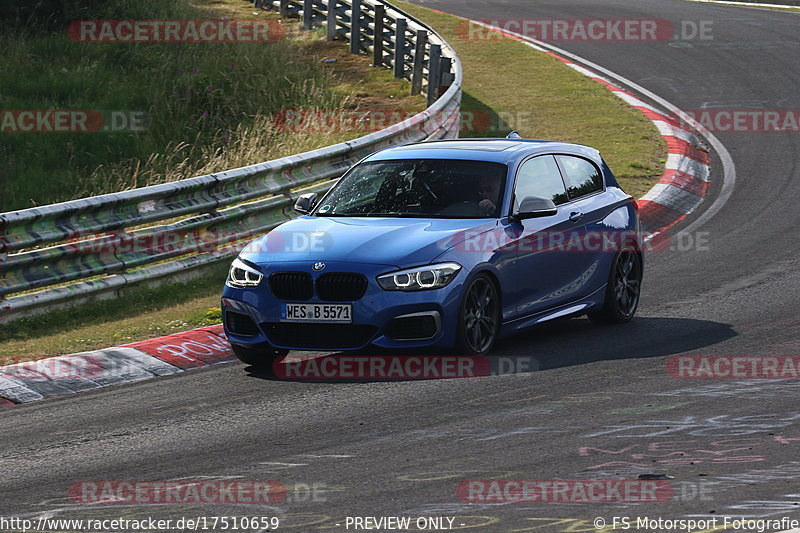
479 317
623 290
259 358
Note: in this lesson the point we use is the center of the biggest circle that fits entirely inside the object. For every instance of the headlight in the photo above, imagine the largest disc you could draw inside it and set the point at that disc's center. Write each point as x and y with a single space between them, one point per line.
421 278
243 275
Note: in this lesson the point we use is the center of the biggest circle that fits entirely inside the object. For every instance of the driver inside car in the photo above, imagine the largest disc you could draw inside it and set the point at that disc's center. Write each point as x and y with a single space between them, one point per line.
489 192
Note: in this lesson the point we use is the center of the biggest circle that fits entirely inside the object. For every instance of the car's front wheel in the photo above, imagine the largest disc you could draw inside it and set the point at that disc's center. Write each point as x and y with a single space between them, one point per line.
622 292
480 317
258 357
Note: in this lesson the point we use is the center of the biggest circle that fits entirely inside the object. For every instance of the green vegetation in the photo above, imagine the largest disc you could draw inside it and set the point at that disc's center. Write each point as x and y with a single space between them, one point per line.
206 106
537 95
507 85
141 313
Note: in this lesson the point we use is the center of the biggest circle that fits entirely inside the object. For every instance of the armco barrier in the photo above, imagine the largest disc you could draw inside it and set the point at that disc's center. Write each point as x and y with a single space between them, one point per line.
69 252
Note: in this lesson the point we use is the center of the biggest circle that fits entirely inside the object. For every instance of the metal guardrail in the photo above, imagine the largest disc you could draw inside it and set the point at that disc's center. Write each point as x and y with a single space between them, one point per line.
73 251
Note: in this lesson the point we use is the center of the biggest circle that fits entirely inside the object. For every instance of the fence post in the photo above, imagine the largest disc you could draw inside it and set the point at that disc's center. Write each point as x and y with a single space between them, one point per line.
400 48
447 74
447 77
283 9
377 36
331 21
308 14
419 61
355 27
3 259
434 73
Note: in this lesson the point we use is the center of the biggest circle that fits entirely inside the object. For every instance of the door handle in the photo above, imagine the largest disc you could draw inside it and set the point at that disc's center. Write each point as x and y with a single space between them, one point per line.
575 216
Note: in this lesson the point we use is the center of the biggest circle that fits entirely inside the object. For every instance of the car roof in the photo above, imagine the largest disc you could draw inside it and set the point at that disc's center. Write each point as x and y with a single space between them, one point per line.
494 150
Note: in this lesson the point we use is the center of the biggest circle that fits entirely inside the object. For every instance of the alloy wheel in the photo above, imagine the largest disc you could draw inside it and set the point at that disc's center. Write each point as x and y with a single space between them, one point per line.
627 282
480 315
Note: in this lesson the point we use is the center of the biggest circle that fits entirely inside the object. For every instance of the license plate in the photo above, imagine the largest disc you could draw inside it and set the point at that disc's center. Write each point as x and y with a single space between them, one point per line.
341 313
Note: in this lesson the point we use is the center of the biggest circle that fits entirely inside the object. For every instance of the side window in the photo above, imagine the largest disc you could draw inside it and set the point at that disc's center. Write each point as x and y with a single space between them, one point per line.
540 177
583 177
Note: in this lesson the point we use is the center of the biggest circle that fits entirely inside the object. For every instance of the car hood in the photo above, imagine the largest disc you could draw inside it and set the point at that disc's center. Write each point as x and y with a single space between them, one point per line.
399 242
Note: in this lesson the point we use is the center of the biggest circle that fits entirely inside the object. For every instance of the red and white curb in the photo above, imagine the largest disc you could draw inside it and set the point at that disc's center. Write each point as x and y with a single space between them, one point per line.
685 181
679 191
69 374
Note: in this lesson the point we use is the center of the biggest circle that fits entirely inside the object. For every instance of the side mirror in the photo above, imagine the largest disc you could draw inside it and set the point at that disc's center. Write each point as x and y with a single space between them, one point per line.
305 203
535 207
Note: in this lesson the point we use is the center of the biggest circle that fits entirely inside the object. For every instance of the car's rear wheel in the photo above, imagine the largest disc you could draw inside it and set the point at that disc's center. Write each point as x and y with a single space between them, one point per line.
624 287
480 317
258 357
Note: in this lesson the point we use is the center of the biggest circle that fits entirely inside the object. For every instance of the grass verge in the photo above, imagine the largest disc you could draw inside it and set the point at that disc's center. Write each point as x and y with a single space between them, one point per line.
534 93
140 313
516 86
174 110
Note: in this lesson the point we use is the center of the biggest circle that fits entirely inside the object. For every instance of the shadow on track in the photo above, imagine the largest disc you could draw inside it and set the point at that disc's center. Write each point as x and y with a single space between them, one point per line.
553 345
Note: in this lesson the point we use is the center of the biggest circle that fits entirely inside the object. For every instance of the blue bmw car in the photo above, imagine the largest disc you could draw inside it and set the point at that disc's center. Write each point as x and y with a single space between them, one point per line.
448 245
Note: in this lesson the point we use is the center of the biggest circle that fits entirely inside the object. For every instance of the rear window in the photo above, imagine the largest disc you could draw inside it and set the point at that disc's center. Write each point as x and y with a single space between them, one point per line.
540 177
583 177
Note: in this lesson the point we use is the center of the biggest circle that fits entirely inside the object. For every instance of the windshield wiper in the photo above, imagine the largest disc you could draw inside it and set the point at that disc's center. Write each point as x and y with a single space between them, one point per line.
397 214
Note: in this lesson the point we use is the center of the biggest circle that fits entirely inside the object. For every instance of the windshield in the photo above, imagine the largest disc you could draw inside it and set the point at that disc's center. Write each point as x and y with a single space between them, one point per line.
438 188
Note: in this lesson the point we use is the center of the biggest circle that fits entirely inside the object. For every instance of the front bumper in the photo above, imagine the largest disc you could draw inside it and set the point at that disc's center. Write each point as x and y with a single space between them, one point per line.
373 314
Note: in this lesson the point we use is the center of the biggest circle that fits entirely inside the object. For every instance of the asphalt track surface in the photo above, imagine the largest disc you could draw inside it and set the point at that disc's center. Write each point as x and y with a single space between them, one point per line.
597 405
